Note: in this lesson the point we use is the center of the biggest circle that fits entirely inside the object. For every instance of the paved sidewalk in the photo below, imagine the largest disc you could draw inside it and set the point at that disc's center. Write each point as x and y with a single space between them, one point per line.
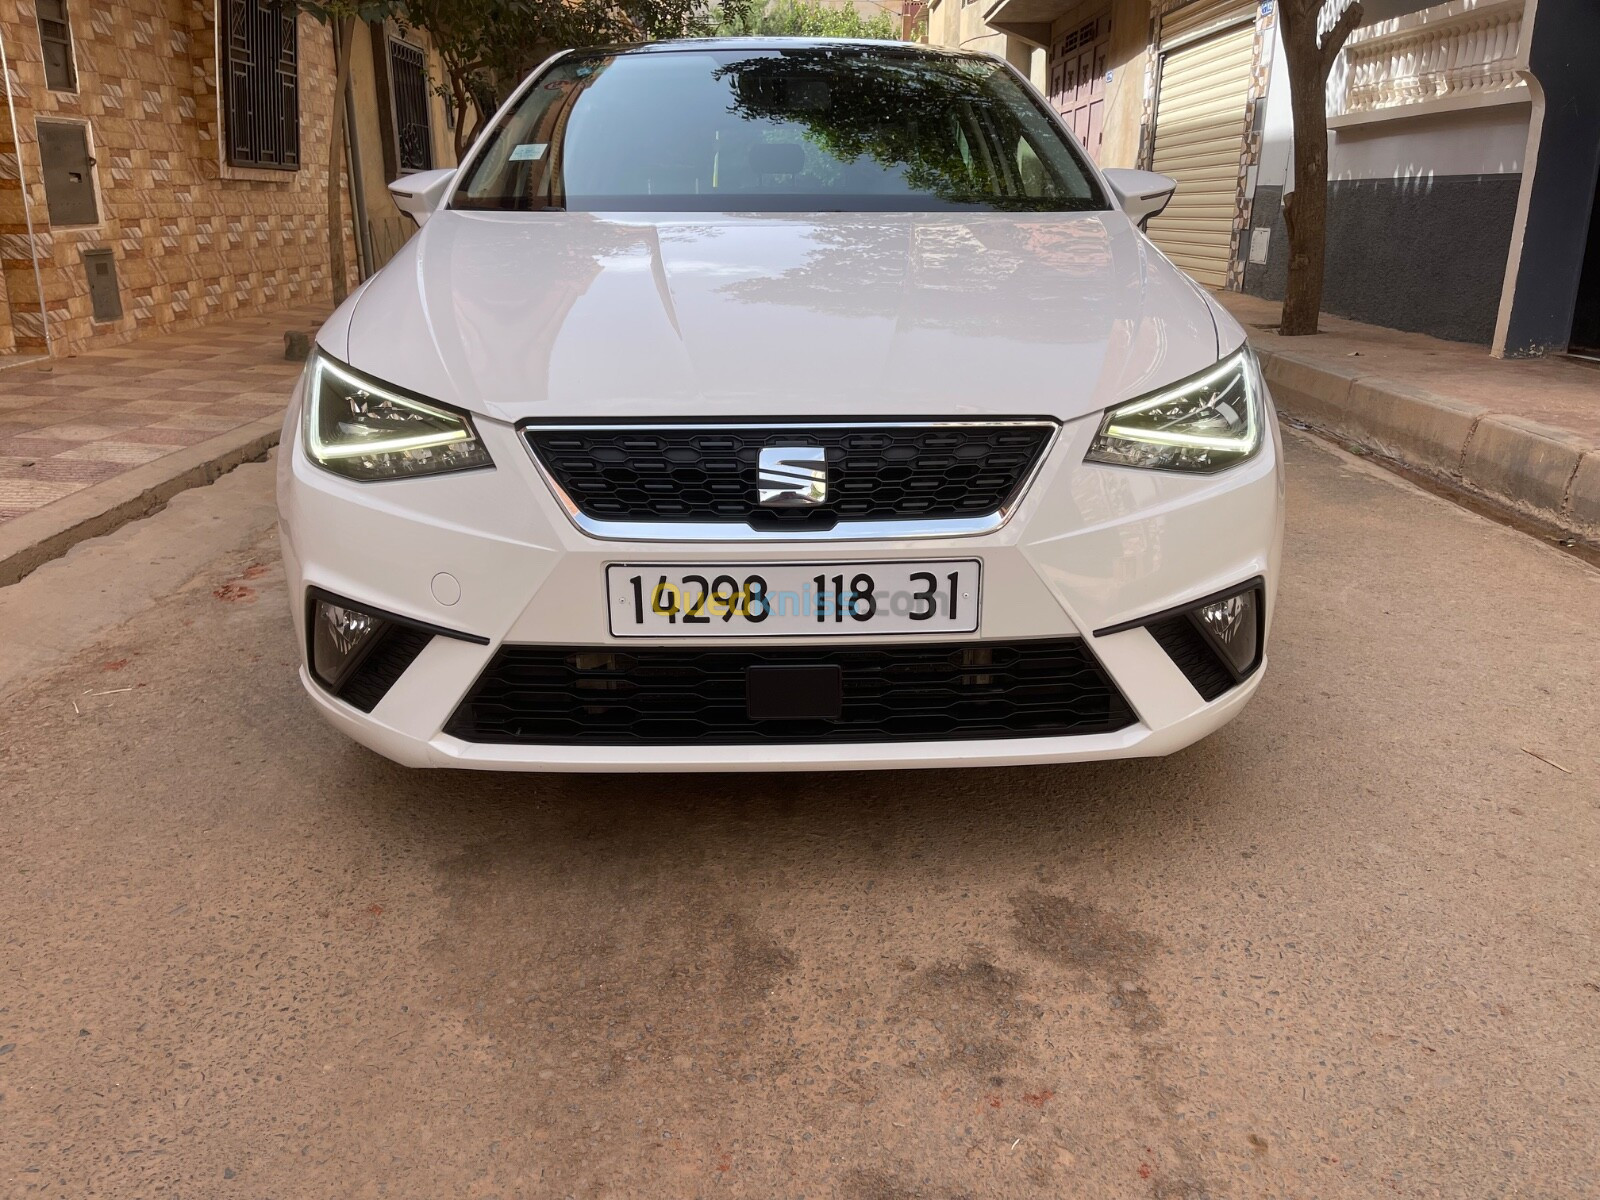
90 441
1519 435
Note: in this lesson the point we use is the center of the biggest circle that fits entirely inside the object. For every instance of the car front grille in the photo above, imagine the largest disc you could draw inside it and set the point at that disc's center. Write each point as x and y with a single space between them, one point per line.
605 696
876 471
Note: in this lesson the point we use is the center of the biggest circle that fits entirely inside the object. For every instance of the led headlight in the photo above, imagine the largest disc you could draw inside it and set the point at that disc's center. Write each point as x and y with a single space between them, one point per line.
1206 423
360 428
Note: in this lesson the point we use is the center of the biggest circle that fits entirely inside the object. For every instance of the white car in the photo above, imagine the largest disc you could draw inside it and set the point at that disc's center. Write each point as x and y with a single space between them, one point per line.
761 404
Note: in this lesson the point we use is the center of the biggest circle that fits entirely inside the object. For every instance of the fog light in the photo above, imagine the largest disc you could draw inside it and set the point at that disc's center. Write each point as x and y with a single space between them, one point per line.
340 639
1232 625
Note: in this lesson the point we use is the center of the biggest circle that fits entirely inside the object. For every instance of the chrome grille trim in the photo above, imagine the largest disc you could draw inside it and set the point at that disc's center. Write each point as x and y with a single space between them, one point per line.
910 528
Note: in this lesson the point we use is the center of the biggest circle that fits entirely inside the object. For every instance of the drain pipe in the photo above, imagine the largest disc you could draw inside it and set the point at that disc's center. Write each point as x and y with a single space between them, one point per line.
27 204
358 187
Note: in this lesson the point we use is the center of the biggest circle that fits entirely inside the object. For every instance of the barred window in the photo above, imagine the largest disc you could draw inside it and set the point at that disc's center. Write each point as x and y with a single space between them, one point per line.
408 81
262 83
55 38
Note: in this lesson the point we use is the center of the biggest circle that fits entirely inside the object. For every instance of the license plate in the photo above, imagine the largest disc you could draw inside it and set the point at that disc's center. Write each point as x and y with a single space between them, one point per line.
816 599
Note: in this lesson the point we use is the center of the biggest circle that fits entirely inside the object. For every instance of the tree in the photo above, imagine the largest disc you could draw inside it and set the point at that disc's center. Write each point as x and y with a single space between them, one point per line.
489 46
480 43
341 16
1305 209
809 18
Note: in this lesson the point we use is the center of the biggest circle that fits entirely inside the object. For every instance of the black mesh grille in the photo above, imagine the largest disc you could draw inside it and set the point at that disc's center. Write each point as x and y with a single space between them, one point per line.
396 649
1187 647
874 472
667 695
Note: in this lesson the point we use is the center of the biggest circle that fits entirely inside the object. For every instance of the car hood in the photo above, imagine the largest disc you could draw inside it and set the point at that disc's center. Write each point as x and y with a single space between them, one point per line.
546 315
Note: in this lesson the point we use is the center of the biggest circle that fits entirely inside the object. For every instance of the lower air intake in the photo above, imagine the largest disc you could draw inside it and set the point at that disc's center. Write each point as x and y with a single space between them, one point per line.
608 696
1194 656
397 649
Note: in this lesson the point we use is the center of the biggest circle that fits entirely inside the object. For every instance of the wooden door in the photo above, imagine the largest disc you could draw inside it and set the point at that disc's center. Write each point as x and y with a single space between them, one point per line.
1077 76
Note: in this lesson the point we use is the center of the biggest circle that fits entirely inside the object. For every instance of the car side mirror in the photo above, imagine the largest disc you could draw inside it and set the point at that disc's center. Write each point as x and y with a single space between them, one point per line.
422 194
1142 194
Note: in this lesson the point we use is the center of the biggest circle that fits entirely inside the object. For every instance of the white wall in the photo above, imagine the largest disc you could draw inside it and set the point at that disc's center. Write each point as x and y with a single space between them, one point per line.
1276 165
1476 141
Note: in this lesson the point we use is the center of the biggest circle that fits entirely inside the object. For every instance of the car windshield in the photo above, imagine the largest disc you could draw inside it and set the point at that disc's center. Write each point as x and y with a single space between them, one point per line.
814 129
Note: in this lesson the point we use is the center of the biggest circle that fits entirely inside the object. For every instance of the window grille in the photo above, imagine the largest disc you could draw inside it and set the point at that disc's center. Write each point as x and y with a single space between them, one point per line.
408 77
55 38
261 43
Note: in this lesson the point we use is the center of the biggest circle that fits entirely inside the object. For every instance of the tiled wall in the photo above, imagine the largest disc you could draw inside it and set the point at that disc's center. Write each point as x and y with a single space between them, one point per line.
193 239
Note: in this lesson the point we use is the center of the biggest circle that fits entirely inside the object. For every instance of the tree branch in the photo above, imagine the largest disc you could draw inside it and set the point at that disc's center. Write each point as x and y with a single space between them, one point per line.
1335 38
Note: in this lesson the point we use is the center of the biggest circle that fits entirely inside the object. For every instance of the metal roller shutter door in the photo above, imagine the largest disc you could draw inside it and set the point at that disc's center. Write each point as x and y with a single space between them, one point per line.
1201 18
1201 117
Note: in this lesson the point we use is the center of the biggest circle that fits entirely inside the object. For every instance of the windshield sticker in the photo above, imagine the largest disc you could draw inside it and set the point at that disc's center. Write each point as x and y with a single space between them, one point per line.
528 151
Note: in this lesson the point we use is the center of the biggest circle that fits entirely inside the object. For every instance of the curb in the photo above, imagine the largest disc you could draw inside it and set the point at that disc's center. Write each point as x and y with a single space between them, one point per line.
29 541
1532 471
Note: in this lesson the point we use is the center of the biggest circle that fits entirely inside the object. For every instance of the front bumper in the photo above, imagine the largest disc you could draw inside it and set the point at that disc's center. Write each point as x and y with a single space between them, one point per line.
491 554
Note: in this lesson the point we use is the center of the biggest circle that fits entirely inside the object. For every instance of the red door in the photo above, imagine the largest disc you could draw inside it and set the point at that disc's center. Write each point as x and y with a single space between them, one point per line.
1077 75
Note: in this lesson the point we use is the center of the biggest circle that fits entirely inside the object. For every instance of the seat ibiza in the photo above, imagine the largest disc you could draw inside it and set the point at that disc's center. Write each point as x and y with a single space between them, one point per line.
768 404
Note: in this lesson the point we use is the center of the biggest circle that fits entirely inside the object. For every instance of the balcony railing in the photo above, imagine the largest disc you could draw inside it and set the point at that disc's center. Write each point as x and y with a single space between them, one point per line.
1441 57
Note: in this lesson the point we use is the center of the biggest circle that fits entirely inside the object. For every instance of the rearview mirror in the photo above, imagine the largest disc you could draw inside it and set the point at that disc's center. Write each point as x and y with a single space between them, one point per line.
1142 194
422 194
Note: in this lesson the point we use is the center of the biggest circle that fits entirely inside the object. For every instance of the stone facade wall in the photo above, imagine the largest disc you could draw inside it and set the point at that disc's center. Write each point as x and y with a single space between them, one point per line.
193 239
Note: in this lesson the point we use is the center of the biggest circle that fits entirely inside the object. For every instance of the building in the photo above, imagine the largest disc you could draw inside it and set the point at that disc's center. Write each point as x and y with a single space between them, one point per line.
164 163
1464 148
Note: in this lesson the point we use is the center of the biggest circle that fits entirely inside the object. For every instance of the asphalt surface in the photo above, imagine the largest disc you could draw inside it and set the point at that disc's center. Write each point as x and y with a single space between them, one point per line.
1345 947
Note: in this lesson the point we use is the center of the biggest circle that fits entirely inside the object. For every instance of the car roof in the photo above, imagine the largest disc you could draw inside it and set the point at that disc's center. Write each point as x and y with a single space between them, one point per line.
672 45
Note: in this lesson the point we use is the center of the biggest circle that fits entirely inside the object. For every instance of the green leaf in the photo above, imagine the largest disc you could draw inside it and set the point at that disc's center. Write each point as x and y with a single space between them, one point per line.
328 11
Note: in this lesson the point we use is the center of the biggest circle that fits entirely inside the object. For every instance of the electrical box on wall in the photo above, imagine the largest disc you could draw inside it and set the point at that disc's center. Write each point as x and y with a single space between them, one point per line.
68 172
104 294
1260 244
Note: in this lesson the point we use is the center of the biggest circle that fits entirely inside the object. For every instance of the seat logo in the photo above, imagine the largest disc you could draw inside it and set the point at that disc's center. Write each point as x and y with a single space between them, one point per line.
792 476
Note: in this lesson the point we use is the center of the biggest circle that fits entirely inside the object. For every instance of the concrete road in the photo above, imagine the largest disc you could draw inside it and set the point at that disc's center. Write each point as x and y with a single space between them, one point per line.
1346 947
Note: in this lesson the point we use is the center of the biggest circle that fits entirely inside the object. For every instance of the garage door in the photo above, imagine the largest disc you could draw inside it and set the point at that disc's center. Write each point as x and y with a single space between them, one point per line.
1201 118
